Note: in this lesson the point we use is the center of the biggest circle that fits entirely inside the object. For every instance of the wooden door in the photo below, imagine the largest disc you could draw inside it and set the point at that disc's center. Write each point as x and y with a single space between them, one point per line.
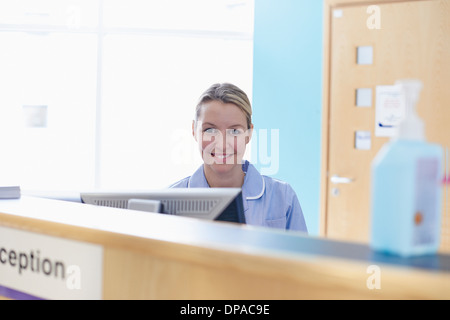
413 41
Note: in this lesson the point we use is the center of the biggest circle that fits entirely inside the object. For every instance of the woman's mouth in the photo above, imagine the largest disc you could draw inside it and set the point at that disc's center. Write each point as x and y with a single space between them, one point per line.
222 156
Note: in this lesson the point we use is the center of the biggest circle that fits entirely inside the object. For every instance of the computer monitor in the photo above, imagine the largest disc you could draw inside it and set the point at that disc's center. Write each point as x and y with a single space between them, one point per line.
220 204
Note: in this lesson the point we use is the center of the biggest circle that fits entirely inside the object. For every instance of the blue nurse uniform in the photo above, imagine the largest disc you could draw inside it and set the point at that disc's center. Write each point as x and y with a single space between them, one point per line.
267 201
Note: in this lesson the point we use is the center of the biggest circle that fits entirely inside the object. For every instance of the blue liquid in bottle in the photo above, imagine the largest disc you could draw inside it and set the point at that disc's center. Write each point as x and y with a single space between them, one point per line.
406 188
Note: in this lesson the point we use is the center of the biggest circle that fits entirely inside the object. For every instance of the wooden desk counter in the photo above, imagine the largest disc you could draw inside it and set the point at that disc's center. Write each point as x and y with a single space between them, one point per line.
155 256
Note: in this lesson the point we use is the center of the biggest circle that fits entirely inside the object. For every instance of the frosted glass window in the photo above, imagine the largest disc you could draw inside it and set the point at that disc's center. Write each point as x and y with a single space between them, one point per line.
364 97
101 94
365 55
57 71
363 140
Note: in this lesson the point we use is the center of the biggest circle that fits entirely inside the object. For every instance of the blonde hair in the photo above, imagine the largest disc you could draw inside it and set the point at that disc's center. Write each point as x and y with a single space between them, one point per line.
226 93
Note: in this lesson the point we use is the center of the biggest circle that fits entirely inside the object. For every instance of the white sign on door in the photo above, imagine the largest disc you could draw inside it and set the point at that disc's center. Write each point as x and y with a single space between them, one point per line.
390 110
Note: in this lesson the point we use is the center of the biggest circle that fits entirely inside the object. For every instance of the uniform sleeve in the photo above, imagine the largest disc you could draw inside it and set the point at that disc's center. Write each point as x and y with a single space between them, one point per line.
294 215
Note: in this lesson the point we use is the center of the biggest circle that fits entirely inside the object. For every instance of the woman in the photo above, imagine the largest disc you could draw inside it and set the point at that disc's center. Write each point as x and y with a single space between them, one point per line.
222 129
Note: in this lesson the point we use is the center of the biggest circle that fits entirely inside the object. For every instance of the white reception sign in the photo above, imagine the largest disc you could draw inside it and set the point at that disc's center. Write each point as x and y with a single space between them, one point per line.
40 266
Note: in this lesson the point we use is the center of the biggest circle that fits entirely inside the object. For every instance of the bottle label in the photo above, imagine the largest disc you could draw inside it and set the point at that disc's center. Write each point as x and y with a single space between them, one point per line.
426 212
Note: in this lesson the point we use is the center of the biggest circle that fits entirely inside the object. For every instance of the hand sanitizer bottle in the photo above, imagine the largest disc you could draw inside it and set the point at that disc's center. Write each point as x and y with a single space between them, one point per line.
406 187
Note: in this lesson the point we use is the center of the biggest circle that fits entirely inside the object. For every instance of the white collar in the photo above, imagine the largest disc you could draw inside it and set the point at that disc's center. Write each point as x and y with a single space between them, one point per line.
254 184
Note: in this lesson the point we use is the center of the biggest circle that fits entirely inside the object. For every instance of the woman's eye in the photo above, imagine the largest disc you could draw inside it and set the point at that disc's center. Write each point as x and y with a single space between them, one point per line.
210 130
235 132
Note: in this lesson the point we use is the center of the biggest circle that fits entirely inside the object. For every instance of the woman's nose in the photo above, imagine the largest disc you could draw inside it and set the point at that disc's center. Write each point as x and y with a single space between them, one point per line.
220 141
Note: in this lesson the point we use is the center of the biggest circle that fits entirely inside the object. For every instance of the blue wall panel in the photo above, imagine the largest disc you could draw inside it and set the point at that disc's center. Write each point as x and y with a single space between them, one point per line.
287 96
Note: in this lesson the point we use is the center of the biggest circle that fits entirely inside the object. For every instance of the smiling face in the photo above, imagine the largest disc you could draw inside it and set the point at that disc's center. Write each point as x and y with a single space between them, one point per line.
222 135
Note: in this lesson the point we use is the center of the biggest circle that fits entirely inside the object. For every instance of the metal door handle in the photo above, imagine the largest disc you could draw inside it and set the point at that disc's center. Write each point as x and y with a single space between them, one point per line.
337 179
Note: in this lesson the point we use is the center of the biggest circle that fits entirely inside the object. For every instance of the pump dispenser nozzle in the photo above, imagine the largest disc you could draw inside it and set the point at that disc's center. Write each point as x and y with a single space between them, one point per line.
412 127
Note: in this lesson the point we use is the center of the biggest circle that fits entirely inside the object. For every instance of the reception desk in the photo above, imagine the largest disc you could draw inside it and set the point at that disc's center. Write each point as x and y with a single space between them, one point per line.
51 249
